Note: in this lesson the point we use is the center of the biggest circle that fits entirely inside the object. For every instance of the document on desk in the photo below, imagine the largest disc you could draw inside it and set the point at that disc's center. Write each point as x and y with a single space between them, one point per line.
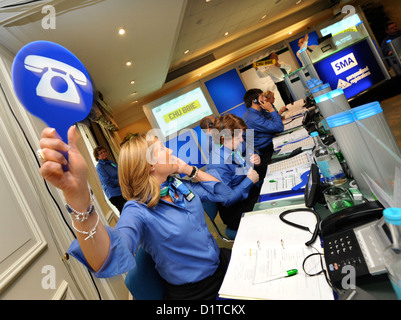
283 180
264 247
293 123
303 159
295 136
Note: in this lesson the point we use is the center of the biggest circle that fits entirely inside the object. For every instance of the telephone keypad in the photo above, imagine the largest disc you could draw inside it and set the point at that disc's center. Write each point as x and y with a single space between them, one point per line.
341 250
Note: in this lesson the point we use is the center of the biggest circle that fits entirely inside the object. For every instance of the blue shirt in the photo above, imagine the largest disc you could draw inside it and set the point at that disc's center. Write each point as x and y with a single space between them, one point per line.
230 168
385 46
177 238
265 125
108 174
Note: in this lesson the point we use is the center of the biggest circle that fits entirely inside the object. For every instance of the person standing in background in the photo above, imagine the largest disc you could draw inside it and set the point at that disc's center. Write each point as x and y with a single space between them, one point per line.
277 72
108 174
392 33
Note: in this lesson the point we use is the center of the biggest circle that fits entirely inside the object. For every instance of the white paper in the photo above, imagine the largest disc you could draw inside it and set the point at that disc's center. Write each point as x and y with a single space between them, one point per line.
303 159
294 136
265 246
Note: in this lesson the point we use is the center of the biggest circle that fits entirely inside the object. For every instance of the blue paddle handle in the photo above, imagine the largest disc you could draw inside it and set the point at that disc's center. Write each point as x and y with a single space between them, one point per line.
65 167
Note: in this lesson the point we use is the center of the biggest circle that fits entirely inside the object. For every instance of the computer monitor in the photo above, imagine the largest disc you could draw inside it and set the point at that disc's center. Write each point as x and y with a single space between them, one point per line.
179 110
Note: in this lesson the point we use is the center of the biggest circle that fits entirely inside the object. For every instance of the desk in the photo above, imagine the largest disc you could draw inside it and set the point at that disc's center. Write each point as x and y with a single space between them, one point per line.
378 287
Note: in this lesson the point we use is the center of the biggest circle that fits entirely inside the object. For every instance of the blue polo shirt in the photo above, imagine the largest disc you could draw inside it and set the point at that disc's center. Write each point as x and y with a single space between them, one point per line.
265 125
108 174
230 168
177 238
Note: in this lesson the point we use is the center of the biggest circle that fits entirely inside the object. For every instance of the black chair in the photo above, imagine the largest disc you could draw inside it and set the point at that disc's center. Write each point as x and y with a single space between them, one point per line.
211 210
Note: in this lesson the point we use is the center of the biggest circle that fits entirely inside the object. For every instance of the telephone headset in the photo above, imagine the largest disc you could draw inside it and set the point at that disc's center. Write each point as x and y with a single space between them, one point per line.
315 233
256 101
309 243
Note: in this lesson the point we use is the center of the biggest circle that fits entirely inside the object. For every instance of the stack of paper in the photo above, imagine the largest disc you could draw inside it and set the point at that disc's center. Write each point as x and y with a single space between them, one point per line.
292 123
282 178
295 136
264 247
304 159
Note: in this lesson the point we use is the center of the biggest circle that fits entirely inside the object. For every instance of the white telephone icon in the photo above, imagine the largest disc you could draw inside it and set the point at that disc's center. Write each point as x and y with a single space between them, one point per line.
55 68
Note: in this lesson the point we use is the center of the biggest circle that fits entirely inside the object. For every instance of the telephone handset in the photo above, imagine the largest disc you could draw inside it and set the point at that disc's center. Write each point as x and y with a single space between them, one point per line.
355 237
52 68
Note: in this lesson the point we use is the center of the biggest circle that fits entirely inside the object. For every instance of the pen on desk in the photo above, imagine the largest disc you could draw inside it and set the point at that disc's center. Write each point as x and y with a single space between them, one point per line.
288 273
271 181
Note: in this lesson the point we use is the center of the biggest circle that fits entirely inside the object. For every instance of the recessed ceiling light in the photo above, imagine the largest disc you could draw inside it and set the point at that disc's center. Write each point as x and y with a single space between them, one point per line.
186 51
134 93
290 32
264 16
132 81
128 63
226 34
298 2
121 31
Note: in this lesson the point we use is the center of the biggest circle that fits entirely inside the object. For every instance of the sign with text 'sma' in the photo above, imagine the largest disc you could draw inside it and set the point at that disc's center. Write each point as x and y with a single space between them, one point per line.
353 69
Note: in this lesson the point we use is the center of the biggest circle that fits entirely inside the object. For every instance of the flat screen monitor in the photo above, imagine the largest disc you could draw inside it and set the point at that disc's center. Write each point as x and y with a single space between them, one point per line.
341 26
179 110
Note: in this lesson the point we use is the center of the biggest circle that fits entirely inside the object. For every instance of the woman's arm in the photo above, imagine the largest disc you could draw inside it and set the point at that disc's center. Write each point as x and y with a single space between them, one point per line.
73 183
184 168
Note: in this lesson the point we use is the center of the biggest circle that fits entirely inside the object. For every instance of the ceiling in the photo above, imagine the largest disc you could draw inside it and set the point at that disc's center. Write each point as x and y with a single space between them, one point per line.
158 32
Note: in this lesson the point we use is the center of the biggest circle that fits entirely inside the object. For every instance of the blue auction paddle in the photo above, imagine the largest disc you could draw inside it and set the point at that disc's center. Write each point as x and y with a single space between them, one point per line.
53 85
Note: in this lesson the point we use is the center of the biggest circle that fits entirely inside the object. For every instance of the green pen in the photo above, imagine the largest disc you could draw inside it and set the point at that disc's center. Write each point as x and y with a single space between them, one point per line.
286 274
271 181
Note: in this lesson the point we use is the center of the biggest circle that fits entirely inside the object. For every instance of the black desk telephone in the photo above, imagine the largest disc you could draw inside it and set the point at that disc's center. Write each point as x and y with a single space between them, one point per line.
355 236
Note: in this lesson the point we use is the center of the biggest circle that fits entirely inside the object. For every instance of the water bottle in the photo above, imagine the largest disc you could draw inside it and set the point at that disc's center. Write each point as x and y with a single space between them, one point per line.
392 254
327 162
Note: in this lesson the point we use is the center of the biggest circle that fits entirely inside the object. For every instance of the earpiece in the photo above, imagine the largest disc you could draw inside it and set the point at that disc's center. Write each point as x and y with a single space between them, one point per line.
256 101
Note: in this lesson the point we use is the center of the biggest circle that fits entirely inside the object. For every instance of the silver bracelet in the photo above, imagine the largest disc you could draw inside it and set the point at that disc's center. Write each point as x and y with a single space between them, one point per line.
91 232
81 216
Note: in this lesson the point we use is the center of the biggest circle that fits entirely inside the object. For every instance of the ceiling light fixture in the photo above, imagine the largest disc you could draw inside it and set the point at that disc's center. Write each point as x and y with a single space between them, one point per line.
186 51
264 16
128 63
226 34
121 31
298 2
132 81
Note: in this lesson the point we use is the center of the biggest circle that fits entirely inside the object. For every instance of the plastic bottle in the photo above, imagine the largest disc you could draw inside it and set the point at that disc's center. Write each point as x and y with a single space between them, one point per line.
327 162
392 254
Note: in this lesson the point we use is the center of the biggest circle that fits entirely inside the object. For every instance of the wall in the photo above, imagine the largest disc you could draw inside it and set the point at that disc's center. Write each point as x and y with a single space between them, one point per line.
391 7
142 127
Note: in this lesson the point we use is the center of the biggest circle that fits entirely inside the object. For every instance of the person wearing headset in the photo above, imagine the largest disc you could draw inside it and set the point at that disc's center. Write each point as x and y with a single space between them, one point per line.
206 124
262 117
227 164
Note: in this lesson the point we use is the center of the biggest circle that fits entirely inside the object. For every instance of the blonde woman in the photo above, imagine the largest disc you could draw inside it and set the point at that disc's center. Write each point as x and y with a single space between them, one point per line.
269 98
163 214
